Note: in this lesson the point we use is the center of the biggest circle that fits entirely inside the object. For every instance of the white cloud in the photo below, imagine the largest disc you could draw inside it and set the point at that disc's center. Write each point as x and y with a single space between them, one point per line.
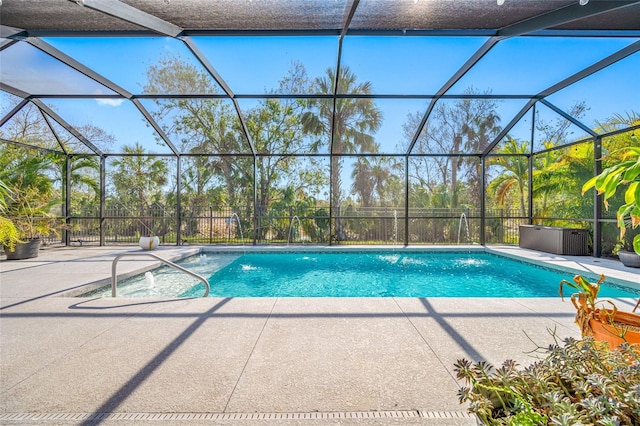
110 102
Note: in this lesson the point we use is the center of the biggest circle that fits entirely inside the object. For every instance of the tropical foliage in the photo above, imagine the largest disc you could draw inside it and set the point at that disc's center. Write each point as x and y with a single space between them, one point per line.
29 197
625 172
291 168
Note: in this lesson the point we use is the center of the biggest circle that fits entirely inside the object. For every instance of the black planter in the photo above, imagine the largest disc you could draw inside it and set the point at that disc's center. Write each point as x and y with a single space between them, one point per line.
24 250
629 258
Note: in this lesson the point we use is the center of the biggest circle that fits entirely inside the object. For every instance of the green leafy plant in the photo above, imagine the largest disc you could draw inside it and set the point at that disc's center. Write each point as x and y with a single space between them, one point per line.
27 214
28 197
584 300
576 382
626 172
31 212
9 235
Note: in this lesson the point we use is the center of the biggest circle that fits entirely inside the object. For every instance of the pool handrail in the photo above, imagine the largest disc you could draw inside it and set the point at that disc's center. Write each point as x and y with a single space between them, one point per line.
114 276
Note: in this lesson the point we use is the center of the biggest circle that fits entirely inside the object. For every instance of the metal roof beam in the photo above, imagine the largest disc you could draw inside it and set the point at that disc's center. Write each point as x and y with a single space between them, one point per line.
573 12
123 11
155 126
568 117
11 32
615 57
547 20
69 61
488 45
620 54
13 112
53 131
24 145
69 128
13 90
6 42
345 28
201 57
509 126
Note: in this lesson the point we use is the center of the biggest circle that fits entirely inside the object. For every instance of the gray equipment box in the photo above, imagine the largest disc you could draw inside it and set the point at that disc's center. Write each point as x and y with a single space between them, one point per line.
568 241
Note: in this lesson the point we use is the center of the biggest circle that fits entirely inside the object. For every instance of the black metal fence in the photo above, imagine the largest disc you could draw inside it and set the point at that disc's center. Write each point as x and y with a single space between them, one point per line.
353 225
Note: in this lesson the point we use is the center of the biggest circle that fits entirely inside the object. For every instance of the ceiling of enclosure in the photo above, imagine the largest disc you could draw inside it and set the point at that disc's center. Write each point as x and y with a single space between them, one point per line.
107 75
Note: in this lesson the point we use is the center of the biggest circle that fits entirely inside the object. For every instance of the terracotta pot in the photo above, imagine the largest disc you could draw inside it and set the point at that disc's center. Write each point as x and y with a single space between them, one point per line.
149 243
26 250
606 332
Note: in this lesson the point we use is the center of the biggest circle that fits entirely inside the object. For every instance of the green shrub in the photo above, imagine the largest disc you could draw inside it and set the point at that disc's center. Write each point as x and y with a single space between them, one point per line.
578 383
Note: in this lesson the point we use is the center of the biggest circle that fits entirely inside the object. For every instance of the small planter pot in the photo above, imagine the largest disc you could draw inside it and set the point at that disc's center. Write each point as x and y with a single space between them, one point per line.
149 243
607 333
629 258
26 250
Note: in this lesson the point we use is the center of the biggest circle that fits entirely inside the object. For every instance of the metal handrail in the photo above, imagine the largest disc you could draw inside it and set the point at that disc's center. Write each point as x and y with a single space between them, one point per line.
114 277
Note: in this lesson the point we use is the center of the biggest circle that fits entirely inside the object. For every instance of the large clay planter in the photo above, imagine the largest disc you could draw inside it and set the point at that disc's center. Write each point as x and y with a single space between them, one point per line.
26 250
606 333
149 243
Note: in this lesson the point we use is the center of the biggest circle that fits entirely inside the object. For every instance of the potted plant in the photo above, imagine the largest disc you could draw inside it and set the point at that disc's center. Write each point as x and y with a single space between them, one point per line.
603 324
28 211
625 251
581 382
625 173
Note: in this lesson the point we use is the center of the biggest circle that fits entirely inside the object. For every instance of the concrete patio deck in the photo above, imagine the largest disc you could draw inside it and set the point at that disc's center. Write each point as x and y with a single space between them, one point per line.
249 361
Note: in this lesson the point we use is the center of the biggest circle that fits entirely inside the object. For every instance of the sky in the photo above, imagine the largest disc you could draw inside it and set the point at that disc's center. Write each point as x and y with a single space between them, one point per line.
408 65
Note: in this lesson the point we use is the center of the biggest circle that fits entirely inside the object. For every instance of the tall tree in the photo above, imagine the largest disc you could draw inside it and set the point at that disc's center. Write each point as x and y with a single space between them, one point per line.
138 180
197 125
513 176
363 182
545 181
370 179
353 122
454 129
557 131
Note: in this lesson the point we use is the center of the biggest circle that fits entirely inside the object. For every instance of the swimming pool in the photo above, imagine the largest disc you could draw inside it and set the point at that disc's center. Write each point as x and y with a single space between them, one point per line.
357 274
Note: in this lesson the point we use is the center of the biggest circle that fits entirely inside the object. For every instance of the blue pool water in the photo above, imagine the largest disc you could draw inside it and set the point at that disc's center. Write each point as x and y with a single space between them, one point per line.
384 274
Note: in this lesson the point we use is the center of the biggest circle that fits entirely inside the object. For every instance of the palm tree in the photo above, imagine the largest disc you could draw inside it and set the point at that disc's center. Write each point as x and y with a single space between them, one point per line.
138 179
562 180
352 122
545 179
515 165
363 183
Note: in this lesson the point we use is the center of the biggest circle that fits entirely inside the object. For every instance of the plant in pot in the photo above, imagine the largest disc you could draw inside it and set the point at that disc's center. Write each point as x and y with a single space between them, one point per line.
625 251
625 173
28 210
606 324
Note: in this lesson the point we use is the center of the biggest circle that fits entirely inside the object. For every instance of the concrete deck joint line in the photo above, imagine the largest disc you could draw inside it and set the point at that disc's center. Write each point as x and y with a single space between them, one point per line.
424 339
244 367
